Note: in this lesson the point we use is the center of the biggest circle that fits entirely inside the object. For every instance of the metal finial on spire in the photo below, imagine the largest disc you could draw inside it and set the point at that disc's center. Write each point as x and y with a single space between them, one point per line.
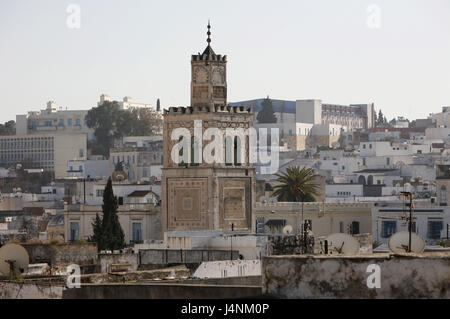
209 33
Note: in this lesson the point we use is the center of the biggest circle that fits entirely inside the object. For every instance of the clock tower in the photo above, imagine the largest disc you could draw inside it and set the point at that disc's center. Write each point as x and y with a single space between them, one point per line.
208 81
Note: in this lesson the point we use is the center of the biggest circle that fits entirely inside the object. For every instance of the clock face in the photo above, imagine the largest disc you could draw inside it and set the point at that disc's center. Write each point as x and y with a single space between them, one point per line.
201 75
218 76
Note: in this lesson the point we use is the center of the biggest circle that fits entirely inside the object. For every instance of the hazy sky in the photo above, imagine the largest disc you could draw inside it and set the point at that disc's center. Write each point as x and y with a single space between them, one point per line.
290 50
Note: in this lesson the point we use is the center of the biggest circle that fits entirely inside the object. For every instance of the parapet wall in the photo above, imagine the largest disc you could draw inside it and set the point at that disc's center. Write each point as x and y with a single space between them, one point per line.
179 256
59 254
401 276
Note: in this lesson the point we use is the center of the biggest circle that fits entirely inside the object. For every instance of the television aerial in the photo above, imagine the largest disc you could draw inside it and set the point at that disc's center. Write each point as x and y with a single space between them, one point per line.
398 243
287 229
343 244
14 260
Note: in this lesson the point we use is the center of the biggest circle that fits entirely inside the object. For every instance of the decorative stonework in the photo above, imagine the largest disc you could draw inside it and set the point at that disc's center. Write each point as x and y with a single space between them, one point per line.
235 203
187 203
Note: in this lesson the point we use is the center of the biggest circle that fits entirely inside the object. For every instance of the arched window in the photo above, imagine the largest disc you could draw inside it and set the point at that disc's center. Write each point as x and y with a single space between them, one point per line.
370 180
228 148
443 195
362 180
181 154
195 160
237 151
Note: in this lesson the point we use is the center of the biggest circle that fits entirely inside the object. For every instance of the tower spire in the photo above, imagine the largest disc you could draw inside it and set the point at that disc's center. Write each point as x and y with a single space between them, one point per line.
209 33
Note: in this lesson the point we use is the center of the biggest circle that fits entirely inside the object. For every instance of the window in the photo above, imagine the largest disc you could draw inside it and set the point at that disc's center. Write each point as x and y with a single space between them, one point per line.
443 196
61 122
388 228
80 168
182 157
355 227
228 145
237 151
434 229
74 231
99 192
341 227
69 122
370 146
137 232
195 160
364 146
78 122
120 199
81 152
388 161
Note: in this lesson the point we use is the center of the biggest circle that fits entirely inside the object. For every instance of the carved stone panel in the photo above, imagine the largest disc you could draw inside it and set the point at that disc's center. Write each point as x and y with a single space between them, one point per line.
187 203
235 203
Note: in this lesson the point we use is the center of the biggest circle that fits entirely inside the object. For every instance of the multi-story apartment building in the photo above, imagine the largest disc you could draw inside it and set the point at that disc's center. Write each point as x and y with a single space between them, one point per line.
141 157
303 124
352 116
49 152
54 121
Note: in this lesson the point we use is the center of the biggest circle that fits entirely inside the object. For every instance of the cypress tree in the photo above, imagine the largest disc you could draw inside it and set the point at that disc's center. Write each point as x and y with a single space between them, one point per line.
108 233
114 237
98 236
267 114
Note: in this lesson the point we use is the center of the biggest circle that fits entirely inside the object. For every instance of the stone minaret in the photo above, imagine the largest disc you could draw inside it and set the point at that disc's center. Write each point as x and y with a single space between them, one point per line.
201 195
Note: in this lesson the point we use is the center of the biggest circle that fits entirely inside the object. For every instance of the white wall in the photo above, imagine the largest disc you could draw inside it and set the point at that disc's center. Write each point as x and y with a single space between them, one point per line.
309 111
344 190
228 268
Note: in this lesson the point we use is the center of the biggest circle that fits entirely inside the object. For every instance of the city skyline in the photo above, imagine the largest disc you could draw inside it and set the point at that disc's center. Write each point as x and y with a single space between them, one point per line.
307 51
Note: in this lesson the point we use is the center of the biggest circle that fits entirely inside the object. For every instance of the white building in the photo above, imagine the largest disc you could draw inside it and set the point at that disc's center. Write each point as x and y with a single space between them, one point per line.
49 152
430 222
54 121
91 192
127 102
303 124
90 168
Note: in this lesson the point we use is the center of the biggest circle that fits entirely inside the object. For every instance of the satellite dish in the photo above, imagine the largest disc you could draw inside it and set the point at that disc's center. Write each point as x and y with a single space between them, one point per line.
343 244
287 229
398 243
14 260
119 176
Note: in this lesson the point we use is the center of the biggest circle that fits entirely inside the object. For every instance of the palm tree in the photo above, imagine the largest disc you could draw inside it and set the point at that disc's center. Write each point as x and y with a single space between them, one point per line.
296 185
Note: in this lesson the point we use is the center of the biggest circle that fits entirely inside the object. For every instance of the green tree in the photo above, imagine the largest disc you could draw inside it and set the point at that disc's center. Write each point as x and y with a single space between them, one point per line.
98 236
108 233
9 128
114 237
110 123
380 119
297 185
145 122
104 119
267 114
